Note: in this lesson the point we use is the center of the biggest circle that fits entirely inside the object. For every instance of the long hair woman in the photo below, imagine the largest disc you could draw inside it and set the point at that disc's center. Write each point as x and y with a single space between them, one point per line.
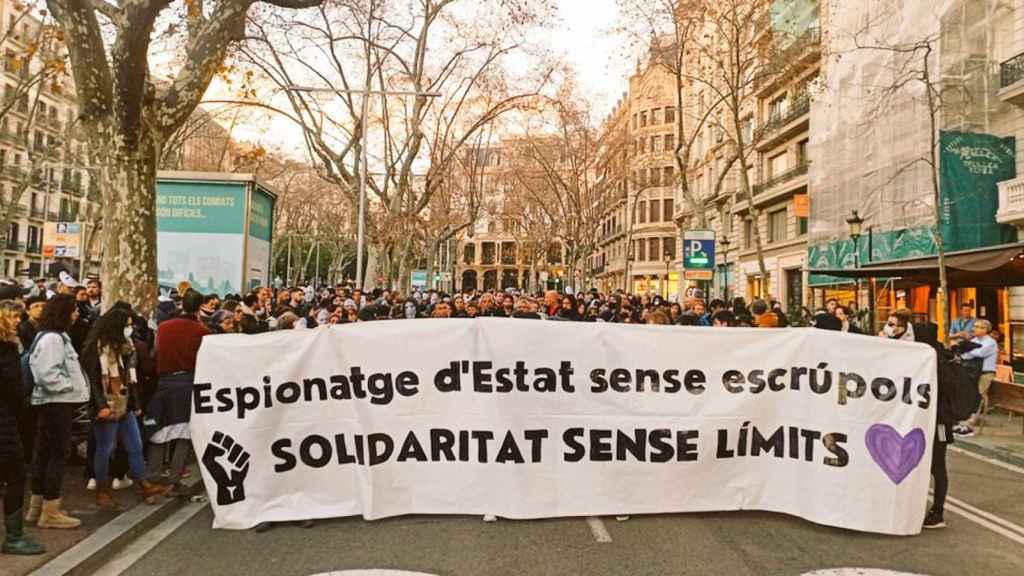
110 360
60 387
12 457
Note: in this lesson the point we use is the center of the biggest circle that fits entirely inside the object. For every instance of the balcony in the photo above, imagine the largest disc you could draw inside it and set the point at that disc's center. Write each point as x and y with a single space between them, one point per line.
781 127
1011 80
34 248
791 174
37 213
796 56
1011 202
15 246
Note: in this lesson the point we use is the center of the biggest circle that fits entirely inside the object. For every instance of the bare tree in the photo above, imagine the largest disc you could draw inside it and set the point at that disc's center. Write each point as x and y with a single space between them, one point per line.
443 46
128 116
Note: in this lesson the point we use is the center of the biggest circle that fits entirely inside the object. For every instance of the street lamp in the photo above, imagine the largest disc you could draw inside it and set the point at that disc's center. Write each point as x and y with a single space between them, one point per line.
855 222
668 264
630 258
363 160
725 257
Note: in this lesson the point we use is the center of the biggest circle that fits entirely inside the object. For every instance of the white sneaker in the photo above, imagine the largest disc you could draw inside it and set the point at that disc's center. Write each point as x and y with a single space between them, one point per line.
622 518
490 518
119 484
91 485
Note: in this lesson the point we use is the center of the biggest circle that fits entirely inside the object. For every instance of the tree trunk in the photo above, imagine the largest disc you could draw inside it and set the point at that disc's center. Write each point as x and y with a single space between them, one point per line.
129 229
432 248
369 279
748 193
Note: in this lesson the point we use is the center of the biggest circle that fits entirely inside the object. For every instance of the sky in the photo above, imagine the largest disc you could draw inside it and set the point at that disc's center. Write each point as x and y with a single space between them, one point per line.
584 36
598 55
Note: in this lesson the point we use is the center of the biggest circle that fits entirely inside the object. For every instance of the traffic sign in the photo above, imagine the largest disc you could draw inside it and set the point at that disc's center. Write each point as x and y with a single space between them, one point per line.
699 274
699 250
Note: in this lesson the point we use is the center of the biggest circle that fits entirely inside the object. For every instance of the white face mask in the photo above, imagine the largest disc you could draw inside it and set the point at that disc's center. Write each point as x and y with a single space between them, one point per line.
891 331
128 331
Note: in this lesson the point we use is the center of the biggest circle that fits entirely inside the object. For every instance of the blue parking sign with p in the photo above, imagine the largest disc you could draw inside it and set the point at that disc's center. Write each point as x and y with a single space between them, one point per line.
699 250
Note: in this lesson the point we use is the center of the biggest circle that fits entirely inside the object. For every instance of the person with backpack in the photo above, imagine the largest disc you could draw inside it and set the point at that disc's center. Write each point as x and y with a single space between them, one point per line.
111 361
58 387
12 457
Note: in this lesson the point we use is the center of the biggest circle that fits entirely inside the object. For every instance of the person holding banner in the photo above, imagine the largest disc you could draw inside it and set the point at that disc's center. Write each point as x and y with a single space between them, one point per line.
169 412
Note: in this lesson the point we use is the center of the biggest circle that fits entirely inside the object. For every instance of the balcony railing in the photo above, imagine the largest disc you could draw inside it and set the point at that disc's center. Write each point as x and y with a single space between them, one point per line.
801 107
792 173
34 249
38 213
1011 71
1011 202
15 246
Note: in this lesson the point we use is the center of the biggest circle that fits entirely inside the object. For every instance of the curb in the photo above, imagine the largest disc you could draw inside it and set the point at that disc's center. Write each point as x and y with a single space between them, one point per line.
1001 454
98 548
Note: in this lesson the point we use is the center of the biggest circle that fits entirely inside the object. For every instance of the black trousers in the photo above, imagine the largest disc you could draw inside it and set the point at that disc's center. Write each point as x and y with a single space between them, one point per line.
940 475
53 435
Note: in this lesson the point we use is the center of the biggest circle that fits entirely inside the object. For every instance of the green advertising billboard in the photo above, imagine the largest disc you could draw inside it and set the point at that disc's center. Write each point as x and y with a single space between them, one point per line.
214 231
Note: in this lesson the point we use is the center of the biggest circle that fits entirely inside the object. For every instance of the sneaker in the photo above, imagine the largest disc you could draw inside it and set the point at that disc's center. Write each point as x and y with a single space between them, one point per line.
934 520
490 518
963 431
91 485
622 518
119 484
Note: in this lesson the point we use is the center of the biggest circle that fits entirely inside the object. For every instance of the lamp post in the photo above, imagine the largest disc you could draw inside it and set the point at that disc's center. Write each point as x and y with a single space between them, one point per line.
855 222
725 257
630 258
668 267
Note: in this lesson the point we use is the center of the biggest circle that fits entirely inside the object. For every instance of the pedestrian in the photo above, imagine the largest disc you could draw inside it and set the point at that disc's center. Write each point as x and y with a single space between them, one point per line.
29 326
845 317
60 386
946 417
986 352
110 361
12 457
897 327
168 413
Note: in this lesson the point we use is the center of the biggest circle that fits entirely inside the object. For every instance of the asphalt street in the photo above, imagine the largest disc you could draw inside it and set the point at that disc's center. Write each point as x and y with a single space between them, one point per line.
985 536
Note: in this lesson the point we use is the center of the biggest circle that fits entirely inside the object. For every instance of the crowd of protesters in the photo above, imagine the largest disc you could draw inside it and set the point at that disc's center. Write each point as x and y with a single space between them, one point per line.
59 352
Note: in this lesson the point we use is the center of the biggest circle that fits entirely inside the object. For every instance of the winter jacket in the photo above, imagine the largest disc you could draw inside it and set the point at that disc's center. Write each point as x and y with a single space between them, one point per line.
58 374
12 399
97 395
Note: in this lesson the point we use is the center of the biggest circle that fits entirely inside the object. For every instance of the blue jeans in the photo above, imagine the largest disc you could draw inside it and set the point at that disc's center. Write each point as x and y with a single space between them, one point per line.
107 433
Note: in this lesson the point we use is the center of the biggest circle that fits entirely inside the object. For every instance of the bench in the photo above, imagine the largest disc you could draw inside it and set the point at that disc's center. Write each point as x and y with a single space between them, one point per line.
1005 393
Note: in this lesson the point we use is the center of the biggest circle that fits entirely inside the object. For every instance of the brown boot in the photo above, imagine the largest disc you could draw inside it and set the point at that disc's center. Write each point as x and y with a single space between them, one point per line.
52 517
105 497
35 508
151 493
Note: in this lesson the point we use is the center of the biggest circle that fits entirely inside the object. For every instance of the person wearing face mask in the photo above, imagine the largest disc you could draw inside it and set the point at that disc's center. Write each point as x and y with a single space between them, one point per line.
845 316
898 326
111 363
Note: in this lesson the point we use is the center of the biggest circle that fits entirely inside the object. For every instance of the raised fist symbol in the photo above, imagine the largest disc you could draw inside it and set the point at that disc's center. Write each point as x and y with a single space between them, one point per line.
230 478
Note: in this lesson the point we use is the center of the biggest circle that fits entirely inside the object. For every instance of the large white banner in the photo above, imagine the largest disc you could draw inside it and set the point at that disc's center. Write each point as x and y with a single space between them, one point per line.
526 419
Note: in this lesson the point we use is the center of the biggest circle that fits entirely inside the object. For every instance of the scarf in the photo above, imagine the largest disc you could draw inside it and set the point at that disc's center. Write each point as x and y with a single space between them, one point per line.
117 373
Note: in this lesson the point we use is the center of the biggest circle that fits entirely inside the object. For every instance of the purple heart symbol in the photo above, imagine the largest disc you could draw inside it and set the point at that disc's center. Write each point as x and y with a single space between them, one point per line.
896 455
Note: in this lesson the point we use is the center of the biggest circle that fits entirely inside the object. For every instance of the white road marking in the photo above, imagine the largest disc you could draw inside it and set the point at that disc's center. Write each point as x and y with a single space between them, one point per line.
991 461
1017 537
373 572
599 530
124 559
986 515
857 572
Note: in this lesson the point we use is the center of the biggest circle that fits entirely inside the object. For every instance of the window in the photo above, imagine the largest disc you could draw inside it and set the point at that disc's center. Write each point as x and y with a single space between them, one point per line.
642 211
670 142
490 253
655 206
643 119
667 209
669 175
778 164
643 145
670 114
655 176
670 246
803 226
801 152
641 253
655 144
748 233
652 249
778 108
634 121
655 117
726 218
777 226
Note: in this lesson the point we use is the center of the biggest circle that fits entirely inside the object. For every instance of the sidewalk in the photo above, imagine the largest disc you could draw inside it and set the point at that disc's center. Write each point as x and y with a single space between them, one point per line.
1000 438
81 504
